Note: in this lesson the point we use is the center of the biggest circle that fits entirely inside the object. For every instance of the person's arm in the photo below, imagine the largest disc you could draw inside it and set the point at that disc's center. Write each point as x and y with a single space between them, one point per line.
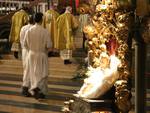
25 40
25 19
12 29
22 35
75 23
48 41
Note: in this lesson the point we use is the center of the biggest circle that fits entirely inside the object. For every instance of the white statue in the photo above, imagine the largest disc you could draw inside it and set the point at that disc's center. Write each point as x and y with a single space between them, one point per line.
100 79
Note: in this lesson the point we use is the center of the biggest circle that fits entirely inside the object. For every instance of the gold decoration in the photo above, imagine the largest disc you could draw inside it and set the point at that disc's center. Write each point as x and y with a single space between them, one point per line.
83 9
109 34
110 23
90 30
123 95
93 2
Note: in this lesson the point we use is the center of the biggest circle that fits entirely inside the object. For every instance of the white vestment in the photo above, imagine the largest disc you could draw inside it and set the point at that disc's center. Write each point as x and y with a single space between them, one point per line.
100 80
37 41
84 20
26 80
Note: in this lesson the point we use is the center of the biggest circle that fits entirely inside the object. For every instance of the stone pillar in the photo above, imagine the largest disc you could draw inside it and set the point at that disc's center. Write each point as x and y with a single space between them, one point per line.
140 56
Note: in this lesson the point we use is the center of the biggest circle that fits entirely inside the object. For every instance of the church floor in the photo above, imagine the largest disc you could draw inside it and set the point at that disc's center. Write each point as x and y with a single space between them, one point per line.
11 101
61 88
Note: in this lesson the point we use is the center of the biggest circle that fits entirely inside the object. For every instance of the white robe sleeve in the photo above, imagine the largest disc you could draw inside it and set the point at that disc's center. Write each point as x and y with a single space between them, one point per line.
22 35
48 40
25 41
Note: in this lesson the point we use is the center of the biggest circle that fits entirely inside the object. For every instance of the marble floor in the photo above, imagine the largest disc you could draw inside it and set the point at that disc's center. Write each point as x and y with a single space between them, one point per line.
11 101
61 88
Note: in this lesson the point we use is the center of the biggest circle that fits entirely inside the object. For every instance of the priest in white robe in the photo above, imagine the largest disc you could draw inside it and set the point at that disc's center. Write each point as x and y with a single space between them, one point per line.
26 77
38 43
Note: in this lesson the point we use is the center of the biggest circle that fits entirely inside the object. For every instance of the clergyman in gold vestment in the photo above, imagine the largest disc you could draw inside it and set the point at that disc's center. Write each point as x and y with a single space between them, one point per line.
19 19
49 22
66 24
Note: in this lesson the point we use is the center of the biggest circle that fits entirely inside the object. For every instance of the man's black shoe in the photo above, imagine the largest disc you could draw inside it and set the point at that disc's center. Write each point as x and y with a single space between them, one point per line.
50 54
67 62
25 92
16 54
38 94
41 96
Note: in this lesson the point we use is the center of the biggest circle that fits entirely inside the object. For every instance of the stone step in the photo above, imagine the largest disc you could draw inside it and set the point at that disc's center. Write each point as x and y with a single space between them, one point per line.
54 62
51 60
52 68
78 52
68 89
56 67
57 87
13 79
52 73
61 66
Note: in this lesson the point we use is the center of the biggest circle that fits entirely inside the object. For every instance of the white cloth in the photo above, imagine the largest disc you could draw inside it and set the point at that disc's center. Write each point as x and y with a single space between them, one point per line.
66 54
84 20
37 41
26 80
100 80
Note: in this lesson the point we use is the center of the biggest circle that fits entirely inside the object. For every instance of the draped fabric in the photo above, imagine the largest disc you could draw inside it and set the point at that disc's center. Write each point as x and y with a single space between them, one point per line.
66 54
66 23
84 20
100 80
49 22
19 19
26 76
37 42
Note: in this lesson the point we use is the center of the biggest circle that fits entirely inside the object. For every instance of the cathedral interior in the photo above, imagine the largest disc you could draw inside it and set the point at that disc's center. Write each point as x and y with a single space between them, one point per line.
119 30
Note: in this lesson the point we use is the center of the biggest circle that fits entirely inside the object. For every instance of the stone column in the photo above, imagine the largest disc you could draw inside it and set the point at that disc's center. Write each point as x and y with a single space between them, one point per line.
140 56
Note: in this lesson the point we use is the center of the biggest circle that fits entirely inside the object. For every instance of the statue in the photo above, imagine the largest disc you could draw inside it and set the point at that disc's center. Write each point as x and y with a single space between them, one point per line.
102 78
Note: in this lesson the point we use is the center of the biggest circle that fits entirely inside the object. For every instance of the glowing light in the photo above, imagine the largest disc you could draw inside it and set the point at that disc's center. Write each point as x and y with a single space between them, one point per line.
90 30
100 78
120 25
101 7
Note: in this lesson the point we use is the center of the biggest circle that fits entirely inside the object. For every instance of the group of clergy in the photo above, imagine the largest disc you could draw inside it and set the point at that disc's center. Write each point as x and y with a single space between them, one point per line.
60 27
36 35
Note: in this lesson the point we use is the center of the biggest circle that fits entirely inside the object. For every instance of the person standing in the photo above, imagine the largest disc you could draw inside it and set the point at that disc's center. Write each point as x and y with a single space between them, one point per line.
66 24
37 42
19 19
84 20
49 22
26 76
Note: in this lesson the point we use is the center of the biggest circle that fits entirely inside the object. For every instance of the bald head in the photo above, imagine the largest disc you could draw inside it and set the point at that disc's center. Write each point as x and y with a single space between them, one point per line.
69 9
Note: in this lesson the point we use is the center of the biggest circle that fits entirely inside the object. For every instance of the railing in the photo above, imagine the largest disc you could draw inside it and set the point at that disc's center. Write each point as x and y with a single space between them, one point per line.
7 6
